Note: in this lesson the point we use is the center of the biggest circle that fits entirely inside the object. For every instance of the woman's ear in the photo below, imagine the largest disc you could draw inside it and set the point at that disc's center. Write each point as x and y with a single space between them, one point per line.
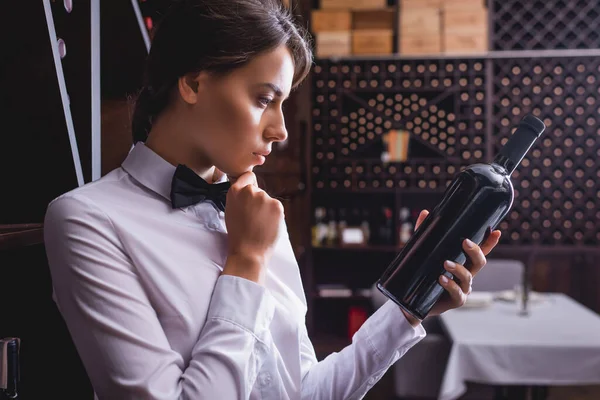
189 85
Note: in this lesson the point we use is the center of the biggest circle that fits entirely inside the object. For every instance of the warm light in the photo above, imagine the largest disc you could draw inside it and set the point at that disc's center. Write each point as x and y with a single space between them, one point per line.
149 23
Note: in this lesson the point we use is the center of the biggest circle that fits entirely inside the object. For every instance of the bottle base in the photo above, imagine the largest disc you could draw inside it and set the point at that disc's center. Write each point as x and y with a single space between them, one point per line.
399 303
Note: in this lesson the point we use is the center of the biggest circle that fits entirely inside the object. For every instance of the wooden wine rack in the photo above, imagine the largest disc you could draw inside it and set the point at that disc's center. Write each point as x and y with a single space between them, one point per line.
556 186
447 106
545 24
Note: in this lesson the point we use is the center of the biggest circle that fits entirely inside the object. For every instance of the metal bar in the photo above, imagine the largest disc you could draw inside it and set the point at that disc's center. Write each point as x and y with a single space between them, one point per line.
484 55
63 92
96 90
142 26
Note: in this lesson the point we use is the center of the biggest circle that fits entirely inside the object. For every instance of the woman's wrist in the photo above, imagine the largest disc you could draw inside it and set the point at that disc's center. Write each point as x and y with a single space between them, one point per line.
244 266
414 322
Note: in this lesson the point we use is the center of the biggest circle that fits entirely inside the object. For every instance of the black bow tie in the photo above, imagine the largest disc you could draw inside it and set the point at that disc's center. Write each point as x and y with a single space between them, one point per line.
187 189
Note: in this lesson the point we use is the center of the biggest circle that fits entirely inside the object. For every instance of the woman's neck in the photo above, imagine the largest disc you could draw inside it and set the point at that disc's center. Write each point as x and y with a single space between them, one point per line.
164 140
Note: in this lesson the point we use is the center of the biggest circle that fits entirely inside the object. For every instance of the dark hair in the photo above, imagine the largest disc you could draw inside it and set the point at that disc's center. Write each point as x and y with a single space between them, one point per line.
216 36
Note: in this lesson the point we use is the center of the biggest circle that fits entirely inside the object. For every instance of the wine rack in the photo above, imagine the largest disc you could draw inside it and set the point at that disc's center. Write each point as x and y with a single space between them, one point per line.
545 24
442 104
556 189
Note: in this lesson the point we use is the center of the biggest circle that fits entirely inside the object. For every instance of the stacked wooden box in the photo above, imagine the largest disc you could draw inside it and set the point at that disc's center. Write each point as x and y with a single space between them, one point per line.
361 27
443 26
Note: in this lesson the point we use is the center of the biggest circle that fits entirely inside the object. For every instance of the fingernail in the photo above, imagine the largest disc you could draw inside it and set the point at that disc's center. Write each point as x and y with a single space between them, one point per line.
444 279
470 244
450 264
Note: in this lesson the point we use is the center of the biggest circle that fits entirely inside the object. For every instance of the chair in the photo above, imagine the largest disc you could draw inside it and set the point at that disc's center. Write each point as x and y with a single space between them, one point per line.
499 274
419 373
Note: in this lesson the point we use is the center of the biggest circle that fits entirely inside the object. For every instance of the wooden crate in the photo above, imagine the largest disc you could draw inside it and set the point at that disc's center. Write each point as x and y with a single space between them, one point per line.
374 19
420 31
372 41
473 4
333 44
353 4
465 30
420 21
408 4
419 45
331 20
465 43
465 20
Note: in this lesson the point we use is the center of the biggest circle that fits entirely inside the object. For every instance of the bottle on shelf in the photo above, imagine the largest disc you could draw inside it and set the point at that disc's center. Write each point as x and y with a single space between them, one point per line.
385 230
365 226
341 225
319 229
479 198
331 235
406 226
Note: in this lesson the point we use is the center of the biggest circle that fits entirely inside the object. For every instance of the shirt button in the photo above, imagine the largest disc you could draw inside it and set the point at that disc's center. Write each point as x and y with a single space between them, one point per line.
222 213
265 379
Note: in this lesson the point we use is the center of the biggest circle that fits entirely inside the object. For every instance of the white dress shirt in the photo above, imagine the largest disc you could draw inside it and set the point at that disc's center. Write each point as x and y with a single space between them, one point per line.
139 286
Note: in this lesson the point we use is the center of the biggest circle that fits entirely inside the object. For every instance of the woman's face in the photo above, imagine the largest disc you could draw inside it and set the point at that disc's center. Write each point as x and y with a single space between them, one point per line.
233 120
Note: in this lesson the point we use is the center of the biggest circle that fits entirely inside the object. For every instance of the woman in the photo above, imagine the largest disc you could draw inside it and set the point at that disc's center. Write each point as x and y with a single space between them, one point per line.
165 295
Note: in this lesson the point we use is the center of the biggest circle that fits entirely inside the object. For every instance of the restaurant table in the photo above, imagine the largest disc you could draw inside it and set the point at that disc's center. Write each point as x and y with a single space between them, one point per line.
558 343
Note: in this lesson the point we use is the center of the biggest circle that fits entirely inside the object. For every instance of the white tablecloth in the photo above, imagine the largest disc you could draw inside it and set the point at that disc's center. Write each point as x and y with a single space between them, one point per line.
557 344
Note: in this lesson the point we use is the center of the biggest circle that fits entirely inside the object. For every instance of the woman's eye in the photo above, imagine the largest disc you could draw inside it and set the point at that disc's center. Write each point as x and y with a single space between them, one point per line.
265 101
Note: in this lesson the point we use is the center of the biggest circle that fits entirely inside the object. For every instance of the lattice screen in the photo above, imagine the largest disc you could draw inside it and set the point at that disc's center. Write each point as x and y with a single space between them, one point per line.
545 24
558 194
355 103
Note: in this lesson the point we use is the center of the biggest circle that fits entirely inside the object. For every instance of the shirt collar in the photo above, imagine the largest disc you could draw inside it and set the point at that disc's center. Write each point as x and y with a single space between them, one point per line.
151 170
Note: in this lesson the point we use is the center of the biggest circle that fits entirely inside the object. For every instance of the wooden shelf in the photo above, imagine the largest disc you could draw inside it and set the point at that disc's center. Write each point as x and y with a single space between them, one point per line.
20 235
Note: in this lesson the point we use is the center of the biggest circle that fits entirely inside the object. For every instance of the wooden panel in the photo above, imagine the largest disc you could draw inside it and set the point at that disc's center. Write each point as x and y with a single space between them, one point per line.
372 41
426 44
331 20
465 20
374 19
469 4
463 43
353 4
465 30
20 235
116 133
333 44
420 21
406 4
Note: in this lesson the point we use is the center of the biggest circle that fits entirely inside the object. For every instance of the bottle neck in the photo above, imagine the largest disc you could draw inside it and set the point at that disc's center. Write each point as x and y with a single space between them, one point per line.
504 164
519 143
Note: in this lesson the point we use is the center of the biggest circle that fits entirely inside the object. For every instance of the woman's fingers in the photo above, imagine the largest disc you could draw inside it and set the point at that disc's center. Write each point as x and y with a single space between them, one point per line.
475 255
457 296
463 276
491 242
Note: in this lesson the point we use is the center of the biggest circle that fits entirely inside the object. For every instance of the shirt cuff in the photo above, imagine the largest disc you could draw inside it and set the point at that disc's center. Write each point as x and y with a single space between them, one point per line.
389 333
242 302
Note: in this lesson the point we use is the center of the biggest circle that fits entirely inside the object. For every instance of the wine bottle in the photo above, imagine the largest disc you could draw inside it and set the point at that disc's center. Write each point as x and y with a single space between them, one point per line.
472 206
9 368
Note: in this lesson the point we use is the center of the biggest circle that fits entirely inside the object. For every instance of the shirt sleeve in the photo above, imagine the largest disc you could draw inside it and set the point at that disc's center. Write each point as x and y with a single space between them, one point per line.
117 333
378 344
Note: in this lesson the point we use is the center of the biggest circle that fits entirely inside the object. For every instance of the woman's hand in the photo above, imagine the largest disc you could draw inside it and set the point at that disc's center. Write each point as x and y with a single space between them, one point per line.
457 290
253 219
